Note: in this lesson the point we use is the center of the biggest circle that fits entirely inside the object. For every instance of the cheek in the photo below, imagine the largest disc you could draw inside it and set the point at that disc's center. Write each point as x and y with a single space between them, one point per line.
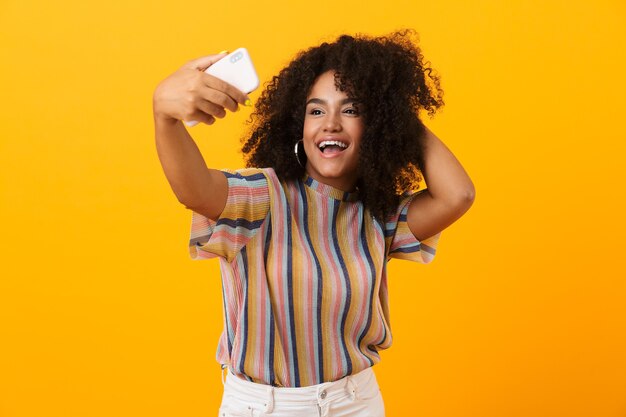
308 137
357 133
308 130
357 127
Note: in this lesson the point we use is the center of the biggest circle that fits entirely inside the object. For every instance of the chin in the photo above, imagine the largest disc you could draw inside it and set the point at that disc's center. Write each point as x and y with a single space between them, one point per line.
334 176
330 172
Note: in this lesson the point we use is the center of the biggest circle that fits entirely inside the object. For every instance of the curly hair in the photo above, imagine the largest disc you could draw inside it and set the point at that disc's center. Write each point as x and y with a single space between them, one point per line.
388 78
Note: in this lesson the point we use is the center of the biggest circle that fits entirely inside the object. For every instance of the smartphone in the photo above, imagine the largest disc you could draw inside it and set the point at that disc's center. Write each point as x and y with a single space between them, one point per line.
236 69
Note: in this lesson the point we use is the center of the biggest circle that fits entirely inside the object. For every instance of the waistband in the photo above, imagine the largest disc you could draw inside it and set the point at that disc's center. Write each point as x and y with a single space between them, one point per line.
360 385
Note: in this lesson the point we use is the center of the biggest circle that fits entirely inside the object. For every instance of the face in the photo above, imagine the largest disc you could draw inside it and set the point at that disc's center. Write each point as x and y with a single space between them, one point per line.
332 134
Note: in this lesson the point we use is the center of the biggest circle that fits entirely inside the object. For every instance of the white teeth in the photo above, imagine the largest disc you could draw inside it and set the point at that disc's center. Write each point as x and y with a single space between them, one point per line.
325 143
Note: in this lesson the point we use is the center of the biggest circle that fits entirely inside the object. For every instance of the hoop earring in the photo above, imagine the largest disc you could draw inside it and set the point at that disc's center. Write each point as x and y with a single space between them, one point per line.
300 154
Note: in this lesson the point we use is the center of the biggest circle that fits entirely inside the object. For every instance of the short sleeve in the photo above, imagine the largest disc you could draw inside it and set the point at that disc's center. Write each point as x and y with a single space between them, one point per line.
247 206
402 242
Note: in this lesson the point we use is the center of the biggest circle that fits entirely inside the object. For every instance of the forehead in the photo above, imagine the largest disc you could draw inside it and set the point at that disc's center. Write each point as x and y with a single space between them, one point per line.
324 86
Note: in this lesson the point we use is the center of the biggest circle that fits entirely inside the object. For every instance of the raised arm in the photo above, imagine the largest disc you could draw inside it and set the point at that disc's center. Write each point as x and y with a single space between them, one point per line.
449 195
191 94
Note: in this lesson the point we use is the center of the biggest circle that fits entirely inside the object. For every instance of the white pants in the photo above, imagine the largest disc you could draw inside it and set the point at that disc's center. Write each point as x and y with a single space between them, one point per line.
355 396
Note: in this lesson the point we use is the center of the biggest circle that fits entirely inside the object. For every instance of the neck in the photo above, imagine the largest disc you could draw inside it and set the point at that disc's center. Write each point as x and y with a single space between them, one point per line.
343 184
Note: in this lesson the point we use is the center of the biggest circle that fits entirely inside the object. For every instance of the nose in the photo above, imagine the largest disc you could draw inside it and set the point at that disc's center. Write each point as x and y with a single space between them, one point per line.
332 123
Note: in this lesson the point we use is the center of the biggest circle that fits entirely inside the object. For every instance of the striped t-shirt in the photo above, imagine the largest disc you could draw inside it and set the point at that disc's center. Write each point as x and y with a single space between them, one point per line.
303 276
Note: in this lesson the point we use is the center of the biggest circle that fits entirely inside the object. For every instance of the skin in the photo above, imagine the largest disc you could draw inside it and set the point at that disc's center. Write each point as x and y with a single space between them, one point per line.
191 94
332 115
449 195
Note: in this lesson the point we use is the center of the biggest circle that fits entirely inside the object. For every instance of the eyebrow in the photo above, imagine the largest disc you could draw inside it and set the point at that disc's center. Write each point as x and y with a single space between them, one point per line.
323 102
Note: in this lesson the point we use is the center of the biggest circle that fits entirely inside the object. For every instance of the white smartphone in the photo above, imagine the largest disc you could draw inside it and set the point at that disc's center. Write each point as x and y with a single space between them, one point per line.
236 69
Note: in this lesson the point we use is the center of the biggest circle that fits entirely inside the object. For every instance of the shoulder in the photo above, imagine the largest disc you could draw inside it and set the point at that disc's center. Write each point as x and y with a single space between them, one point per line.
255 177
402 208
249 172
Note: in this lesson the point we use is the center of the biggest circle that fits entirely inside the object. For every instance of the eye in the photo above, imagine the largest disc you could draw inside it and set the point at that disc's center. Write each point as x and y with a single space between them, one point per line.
352 111
315 112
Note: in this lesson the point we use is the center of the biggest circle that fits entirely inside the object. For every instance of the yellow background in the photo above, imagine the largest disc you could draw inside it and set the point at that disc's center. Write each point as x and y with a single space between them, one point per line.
522 312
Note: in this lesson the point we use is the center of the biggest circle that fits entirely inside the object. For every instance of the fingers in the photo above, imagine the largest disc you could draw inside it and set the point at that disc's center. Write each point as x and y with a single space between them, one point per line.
213 104
205 118
205 62
222 86
211 109
200 96
221 99
206 104
197 115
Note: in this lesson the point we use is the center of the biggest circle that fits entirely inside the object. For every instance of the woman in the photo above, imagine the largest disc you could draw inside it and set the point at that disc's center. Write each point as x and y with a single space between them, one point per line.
304 234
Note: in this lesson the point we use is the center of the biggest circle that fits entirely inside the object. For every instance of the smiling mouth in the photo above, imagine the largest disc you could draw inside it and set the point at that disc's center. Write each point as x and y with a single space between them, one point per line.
329 147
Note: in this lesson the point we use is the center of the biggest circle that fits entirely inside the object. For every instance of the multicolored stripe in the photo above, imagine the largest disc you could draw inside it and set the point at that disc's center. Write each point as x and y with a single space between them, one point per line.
303 276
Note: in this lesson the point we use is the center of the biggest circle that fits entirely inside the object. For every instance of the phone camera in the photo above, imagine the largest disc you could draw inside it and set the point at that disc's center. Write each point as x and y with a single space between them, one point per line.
236 57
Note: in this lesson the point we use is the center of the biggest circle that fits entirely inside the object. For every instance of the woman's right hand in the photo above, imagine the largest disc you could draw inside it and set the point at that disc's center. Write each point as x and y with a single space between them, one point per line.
191 94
